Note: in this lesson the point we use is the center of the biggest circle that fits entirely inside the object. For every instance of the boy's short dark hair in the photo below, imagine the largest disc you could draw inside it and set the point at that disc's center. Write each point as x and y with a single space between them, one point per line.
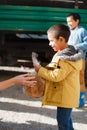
60 30
75 16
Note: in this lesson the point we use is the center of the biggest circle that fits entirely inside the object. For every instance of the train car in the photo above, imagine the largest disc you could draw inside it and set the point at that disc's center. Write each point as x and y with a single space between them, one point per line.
23 26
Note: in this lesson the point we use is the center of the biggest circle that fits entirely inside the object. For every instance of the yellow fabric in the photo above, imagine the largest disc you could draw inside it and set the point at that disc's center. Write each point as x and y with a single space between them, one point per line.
62 83
82 77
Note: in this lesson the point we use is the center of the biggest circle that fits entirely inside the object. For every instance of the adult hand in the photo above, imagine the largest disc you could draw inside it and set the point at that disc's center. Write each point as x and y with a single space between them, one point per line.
25 79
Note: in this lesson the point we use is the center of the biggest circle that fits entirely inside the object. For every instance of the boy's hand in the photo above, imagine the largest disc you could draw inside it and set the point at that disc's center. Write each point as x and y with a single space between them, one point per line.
35 61
34 58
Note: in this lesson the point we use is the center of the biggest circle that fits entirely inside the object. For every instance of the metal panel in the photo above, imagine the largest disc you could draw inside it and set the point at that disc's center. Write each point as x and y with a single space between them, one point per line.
35 19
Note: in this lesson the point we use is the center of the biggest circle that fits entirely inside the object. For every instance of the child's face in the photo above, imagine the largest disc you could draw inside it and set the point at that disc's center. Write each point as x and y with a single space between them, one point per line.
72 23
56 44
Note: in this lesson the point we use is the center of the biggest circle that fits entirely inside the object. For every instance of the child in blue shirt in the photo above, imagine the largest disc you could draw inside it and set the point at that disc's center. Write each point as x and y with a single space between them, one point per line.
78 38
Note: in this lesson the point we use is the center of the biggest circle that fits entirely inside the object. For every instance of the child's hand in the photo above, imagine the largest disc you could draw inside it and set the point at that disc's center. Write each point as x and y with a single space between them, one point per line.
34 58
37 67
35 61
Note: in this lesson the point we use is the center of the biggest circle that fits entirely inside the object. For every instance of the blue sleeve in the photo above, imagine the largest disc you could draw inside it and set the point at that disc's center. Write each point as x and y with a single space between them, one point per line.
83 38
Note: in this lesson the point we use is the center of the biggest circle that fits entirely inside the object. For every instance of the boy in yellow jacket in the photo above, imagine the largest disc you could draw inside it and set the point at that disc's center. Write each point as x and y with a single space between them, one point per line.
61 76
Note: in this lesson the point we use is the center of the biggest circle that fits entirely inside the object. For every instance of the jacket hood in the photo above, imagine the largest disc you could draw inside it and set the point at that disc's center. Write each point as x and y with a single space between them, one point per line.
71 55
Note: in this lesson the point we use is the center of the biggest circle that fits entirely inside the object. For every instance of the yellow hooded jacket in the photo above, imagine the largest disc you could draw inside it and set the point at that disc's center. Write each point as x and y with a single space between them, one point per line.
62 82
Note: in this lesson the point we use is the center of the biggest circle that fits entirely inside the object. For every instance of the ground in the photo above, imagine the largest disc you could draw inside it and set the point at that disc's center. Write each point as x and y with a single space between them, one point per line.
21 112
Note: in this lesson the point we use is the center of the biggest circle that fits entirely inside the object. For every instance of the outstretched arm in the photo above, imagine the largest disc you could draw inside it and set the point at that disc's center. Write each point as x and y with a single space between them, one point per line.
24 79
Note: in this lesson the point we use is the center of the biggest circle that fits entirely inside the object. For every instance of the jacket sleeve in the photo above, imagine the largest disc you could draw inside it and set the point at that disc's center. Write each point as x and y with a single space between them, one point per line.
83 38
57 74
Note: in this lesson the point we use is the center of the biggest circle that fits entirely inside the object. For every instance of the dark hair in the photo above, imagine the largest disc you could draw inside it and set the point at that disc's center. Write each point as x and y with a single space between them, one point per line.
60 30
75 16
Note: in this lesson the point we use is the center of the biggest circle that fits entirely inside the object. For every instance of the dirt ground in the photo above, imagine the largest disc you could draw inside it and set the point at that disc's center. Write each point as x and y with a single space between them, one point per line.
21 112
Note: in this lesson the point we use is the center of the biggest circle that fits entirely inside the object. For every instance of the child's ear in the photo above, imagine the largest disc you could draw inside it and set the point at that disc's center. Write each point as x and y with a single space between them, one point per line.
61 38
78 21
